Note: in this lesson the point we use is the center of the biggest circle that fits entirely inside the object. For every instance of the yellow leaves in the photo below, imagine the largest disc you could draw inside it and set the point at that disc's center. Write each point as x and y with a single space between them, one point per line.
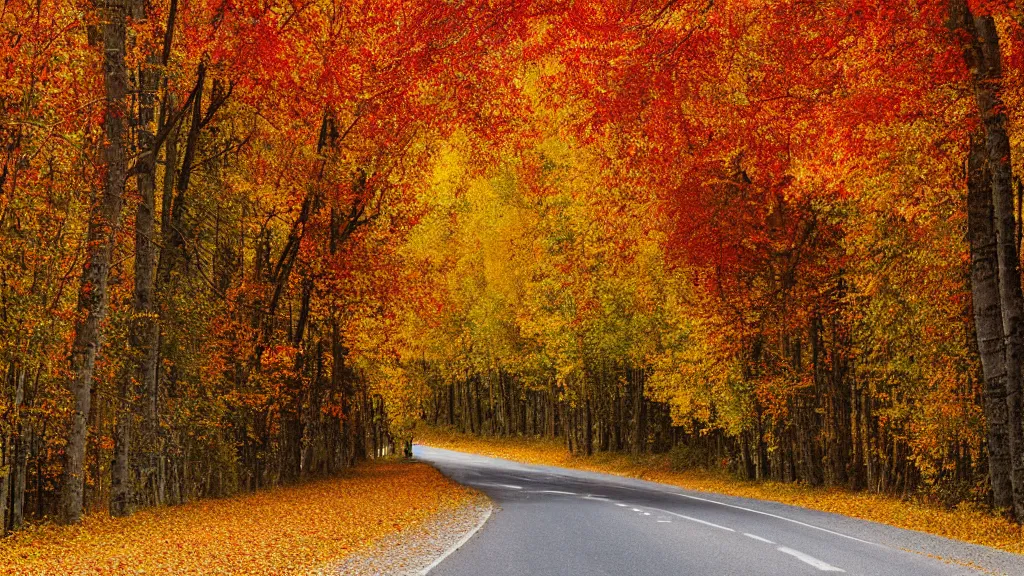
967 522
291 530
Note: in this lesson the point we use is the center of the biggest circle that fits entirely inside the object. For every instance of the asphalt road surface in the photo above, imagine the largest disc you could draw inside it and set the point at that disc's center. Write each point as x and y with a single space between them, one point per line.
560 522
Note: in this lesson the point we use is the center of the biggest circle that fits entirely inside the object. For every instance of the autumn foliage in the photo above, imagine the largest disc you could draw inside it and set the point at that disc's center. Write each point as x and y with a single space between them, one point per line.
249 244
295 530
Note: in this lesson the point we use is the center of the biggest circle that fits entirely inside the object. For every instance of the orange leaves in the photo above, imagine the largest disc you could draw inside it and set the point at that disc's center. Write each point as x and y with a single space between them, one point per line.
284 531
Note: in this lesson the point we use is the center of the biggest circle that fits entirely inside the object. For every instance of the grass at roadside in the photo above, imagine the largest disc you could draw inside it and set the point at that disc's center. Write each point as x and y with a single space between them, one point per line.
291 530
966 523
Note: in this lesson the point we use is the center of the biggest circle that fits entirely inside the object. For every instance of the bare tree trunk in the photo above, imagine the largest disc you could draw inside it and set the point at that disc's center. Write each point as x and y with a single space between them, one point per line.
986 69
104 219
988 320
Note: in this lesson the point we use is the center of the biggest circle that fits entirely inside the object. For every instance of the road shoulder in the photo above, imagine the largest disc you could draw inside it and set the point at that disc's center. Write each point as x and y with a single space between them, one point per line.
415 551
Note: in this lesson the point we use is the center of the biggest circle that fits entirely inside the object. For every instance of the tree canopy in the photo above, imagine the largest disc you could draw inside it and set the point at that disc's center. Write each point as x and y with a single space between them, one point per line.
246 243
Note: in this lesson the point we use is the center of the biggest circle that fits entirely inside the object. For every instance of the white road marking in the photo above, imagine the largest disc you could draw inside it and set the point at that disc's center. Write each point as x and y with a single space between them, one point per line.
553 492
458 544
597 498
647 513
492 485
758 538
636 509
819 564
705 522
692 519
663 521
777 517
710 501
621 505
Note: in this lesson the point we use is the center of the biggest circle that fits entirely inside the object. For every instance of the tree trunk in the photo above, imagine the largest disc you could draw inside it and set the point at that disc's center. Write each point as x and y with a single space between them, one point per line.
5 485
477 415
1011 299
291 426
144 331
6 454
549 423
588 430
988 320
982 55
746 460
857 469
104 219
11 448
19 477
451 404
120 489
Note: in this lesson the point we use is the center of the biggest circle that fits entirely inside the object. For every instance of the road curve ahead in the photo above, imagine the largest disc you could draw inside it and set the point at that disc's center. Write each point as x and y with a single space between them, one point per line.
559 522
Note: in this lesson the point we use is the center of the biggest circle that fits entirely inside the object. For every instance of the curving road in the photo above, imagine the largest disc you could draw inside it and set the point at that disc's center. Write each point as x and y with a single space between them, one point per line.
560 522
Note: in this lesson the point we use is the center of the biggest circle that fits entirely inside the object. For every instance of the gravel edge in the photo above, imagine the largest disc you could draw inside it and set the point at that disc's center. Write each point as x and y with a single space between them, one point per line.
409 552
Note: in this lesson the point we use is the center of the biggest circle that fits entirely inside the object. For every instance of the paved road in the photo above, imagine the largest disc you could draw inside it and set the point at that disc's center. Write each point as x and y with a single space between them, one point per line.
559 522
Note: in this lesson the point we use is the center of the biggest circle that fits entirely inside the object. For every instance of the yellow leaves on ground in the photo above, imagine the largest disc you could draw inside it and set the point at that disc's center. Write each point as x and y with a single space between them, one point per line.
965 523
292 530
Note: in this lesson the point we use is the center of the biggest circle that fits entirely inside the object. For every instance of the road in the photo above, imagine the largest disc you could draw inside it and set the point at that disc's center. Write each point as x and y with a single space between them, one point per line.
560 522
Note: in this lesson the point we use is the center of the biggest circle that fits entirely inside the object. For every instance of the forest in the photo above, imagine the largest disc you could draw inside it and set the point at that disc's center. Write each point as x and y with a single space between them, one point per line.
249 243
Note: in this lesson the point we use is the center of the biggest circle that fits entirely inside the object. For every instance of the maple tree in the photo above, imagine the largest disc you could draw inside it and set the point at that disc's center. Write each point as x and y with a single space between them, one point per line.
245 244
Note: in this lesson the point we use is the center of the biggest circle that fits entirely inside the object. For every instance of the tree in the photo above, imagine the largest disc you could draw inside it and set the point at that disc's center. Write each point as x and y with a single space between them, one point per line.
104 221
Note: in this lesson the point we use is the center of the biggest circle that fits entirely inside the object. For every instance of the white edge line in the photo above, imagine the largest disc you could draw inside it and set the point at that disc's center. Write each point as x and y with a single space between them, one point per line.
758 538
807 559
778 517
458 544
